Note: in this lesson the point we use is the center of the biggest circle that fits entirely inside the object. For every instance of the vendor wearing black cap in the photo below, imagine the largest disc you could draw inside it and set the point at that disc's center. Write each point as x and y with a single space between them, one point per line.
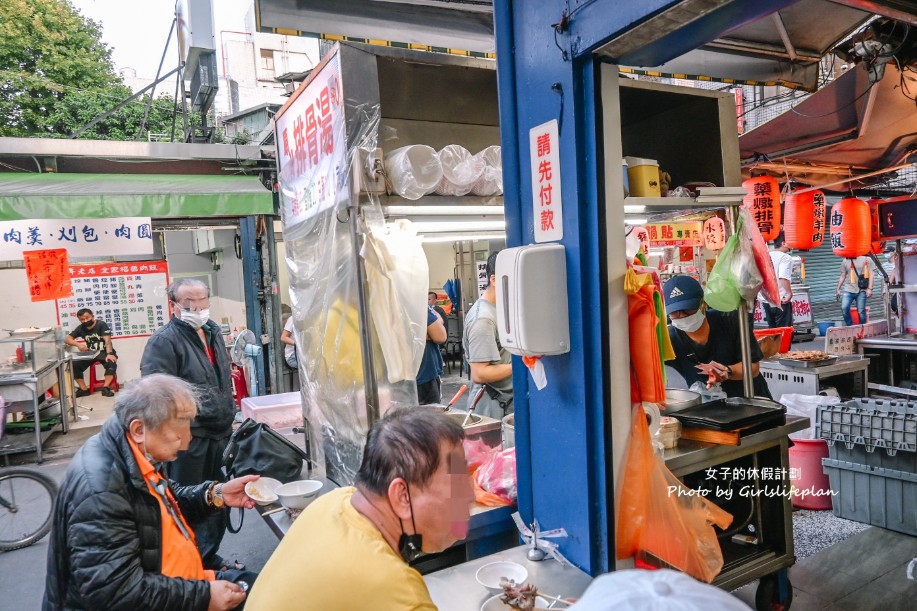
706 342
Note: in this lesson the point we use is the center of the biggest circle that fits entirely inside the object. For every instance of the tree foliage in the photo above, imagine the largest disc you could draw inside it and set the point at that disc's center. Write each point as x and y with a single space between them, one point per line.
56 75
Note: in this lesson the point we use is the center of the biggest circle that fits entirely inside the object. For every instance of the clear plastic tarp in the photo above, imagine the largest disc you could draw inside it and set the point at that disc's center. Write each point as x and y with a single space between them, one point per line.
357 286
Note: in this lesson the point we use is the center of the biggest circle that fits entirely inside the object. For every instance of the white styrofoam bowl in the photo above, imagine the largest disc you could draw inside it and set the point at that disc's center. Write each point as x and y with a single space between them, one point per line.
262 490
495 604
490 575
298 494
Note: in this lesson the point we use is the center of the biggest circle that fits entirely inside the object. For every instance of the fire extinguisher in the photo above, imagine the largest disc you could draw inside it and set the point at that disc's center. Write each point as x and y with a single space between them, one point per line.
239 389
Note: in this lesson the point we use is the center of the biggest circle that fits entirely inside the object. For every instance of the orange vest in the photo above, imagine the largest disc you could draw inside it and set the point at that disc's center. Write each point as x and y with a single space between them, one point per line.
180 557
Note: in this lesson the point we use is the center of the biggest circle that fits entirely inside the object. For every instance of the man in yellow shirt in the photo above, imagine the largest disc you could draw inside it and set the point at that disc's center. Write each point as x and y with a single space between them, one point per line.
350 548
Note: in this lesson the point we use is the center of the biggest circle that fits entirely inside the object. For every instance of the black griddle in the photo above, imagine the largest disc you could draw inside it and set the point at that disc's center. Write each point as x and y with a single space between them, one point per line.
732 413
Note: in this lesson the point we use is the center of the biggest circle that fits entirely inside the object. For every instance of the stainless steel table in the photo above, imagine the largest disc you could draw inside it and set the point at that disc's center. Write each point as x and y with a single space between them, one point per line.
810 380
895 349
455 588
23 392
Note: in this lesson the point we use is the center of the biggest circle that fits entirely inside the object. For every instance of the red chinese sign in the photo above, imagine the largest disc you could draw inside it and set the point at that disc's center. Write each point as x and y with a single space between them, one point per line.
47 273
675 234
763 201
311 144
546 195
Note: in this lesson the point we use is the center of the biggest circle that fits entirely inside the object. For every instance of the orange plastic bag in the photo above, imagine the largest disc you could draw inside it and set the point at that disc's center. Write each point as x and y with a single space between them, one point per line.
646 361
661 516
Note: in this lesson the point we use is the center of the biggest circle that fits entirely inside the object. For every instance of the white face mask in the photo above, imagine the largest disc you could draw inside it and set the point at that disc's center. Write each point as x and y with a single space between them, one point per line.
689 324
195 319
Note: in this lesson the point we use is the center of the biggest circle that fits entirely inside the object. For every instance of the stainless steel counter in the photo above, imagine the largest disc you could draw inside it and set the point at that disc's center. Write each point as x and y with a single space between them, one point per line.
904 344
690 456
456 589
894 352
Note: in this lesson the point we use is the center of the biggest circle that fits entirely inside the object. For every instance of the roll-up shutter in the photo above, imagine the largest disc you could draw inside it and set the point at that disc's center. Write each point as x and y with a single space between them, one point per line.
823 268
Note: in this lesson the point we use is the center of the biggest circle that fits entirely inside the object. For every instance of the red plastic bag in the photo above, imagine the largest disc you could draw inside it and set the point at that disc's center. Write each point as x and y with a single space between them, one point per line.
770 290
498 476
660 516
477 453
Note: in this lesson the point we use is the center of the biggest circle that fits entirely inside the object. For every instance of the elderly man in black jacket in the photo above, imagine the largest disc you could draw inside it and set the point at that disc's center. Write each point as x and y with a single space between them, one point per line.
191 347
119 539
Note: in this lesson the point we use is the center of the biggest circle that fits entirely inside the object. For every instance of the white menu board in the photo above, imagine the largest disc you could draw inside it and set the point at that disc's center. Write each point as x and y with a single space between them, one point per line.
130 297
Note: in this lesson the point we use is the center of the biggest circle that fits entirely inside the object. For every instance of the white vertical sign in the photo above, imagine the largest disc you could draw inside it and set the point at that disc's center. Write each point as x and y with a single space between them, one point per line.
547 211
481 279
312 145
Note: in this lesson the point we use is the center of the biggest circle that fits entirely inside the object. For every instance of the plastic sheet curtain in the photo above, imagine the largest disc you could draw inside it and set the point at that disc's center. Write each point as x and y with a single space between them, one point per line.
323 230
397 275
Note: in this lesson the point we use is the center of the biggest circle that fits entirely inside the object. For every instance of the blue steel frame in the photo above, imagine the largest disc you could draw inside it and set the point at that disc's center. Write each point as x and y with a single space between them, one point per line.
253 287
562 432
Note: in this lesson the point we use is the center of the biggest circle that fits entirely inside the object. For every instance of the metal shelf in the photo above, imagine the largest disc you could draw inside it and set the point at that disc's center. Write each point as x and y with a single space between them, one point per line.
495 201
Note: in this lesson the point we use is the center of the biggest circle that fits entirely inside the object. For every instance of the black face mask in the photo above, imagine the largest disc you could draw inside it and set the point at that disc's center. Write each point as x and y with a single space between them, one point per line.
410 546
89 325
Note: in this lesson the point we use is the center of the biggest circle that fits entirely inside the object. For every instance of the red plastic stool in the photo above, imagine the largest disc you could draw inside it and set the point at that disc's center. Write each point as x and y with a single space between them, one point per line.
97 383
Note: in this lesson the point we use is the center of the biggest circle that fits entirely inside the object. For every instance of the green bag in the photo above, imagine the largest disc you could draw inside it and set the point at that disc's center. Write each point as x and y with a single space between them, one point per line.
722 290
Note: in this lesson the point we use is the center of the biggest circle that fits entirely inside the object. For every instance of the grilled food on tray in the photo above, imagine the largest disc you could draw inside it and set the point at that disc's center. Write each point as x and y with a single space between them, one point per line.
805 355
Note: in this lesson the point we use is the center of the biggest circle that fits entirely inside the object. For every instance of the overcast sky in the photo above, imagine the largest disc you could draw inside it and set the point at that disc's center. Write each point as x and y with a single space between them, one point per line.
136 30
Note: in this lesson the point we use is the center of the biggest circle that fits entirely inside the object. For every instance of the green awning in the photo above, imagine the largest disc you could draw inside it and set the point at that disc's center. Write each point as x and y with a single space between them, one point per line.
61 196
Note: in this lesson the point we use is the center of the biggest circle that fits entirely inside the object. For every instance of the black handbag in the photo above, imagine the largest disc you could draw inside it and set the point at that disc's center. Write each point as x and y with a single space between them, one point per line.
257 449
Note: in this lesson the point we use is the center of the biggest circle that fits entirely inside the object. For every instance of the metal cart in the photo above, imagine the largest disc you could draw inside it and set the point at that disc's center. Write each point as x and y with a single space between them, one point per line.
36 366
759 543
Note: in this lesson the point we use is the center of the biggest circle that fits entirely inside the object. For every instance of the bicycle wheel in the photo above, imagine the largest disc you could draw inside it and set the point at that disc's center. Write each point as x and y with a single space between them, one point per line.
26 507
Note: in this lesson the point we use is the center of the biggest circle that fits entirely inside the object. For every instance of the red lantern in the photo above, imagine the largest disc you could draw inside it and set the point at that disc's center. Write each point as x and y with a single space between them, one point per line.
877 245
714 233
804 222
763 201
851 235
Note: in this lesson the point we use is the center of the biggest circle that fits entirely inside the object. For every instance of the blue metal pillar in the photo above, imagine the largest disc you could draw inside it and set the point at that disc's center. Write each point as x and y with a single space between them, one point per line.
252 285
546 70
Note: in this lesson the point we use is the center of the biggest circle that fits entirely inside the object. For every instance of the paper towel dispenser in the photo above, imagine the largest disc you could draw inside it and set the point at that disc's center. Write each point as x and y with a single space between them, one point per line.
531 287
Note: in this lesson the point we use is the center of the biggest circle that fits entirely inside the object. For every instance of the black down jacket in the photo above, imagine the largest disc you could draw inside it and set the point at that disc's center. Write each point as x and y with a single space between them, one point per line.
177 349
106 539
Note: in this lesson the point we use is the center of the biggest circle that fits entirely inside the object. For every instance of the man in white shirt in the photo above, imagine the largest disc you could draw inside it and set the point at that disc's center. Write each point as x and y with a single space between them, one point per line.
781 316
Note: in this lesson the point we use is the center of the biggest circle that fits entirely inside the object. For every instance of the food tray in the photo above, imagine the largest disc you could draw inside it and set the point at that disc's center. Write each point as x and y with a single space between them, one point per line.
798 364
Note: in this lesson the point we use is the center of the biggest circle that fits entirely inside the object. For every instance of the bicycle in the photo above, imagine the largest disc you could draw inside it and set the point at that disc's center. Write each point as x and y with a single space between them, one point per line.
26 506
